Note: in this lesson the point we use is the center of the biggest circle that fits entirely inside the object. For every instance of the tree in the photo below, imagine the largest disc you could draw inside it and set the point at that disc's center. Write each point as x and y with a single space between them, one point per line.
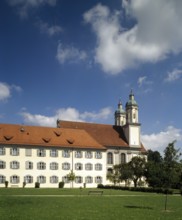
71 177
137 166
154 169
172 167
126 173
114 175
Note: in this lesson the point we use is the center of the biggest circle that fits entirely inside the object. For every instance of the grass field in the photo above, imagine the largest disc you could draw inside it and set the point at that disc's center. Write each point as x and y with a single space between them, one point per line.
76 204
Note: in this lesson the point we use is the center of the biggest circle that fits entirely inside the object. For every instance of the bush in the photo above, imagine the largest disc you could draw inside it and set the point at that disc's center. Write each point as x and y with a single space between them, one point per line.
6 184
37 185
61 185
100 186
24 184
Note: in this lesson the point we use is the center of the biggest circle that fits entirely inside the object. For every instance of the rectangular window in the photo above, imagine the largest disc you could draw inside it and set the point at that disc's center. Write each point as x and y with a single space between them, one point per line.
78 154
2 151
53 153
88 154
41 153
2 164
66 153
29 165
28 152
98 155
2 179
14 151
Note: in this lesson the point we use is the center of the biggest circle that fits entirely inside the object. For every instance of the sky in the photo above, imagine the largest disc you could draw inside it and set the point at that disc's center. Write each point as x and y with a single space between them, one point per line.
74 60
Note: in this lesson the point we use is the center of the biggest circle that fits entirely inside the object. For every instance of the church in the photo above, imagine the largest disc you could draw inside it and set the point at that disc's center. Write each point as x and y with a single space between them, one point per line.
30 154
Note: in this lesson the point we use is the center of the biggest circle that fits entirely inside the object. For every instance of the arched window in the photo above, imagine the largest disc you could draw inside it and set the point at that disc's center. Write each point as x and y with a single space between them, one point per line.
88 166
109 158
14 165
66 166
98 179
123 158
41 166
78 166
53 179
41 179
14 179
53 166
29 165
28 179
98 166
88 179
78 179
65 179
109 171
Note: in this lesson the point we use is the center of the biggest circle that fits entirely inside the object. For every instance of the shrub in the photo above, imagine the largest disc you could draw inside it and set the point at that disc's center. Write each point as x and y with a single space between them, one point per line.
101 186
6 184
61 185
24 184
37 185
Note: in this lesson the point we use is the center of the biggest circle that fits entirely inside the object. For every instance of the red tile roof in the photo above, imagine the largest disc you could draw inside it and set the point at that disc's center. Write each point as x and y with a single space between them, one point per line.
46 136
106 135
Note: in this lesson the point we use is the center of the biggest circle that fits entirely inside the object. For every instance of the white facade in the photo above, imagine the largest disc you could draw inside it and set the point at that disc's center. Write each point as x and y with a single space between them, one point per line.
51 166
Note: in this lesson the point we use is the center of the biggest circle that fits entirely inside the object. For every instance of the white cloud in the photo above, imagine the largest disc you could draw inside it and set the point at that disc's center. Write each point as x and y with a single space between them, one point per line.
71 114
70 54
154 36
6 90
141 80
174 75
24 5
159 141
48 29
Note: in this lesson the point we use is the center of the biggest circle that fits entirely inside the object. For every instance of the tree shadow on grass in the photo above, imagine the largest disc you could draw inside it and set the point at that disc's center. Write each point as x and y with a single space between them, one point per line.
137 207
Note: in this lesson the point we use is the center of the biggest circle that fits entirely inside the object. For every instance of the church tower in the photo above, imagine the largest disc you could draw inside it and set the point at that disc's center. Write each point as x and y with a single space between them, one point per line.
132 126
120 115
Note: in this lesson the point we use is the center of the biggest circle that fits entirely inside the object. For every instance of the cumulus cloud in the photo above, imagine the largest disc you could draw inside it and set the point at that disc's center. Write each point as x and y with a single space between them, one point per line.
48 29
174 75
23 6
70 54
6 90
159 141
154 35
71 114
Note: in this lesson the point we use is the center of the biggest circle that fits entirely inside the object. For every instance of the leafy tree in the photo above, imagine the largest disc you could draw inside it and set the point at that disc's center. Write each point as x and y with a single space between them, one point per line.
71 177
126 173
172 167
114 175
137 166
154 169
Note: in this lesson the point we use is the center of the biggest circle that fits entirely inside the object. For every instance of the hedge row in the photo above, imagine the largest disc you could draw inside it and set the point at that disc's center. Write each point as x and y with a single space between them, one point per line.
138 189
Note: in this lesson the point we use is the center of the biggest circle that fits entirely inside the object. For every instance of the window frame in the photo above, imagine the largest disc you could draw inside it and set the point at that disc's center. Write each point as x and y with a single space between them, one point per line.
14 165
41 165
53 166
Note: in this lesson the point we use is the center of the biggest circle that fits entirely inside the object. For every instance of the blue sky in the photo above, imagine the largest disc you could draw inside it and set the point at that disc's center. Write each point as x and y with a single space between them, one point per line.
74 60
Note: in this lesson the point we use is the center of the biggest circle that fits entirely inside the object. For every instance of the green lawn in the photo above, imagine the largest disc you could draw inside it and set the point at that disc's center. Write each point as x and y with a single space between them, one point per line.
76 204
